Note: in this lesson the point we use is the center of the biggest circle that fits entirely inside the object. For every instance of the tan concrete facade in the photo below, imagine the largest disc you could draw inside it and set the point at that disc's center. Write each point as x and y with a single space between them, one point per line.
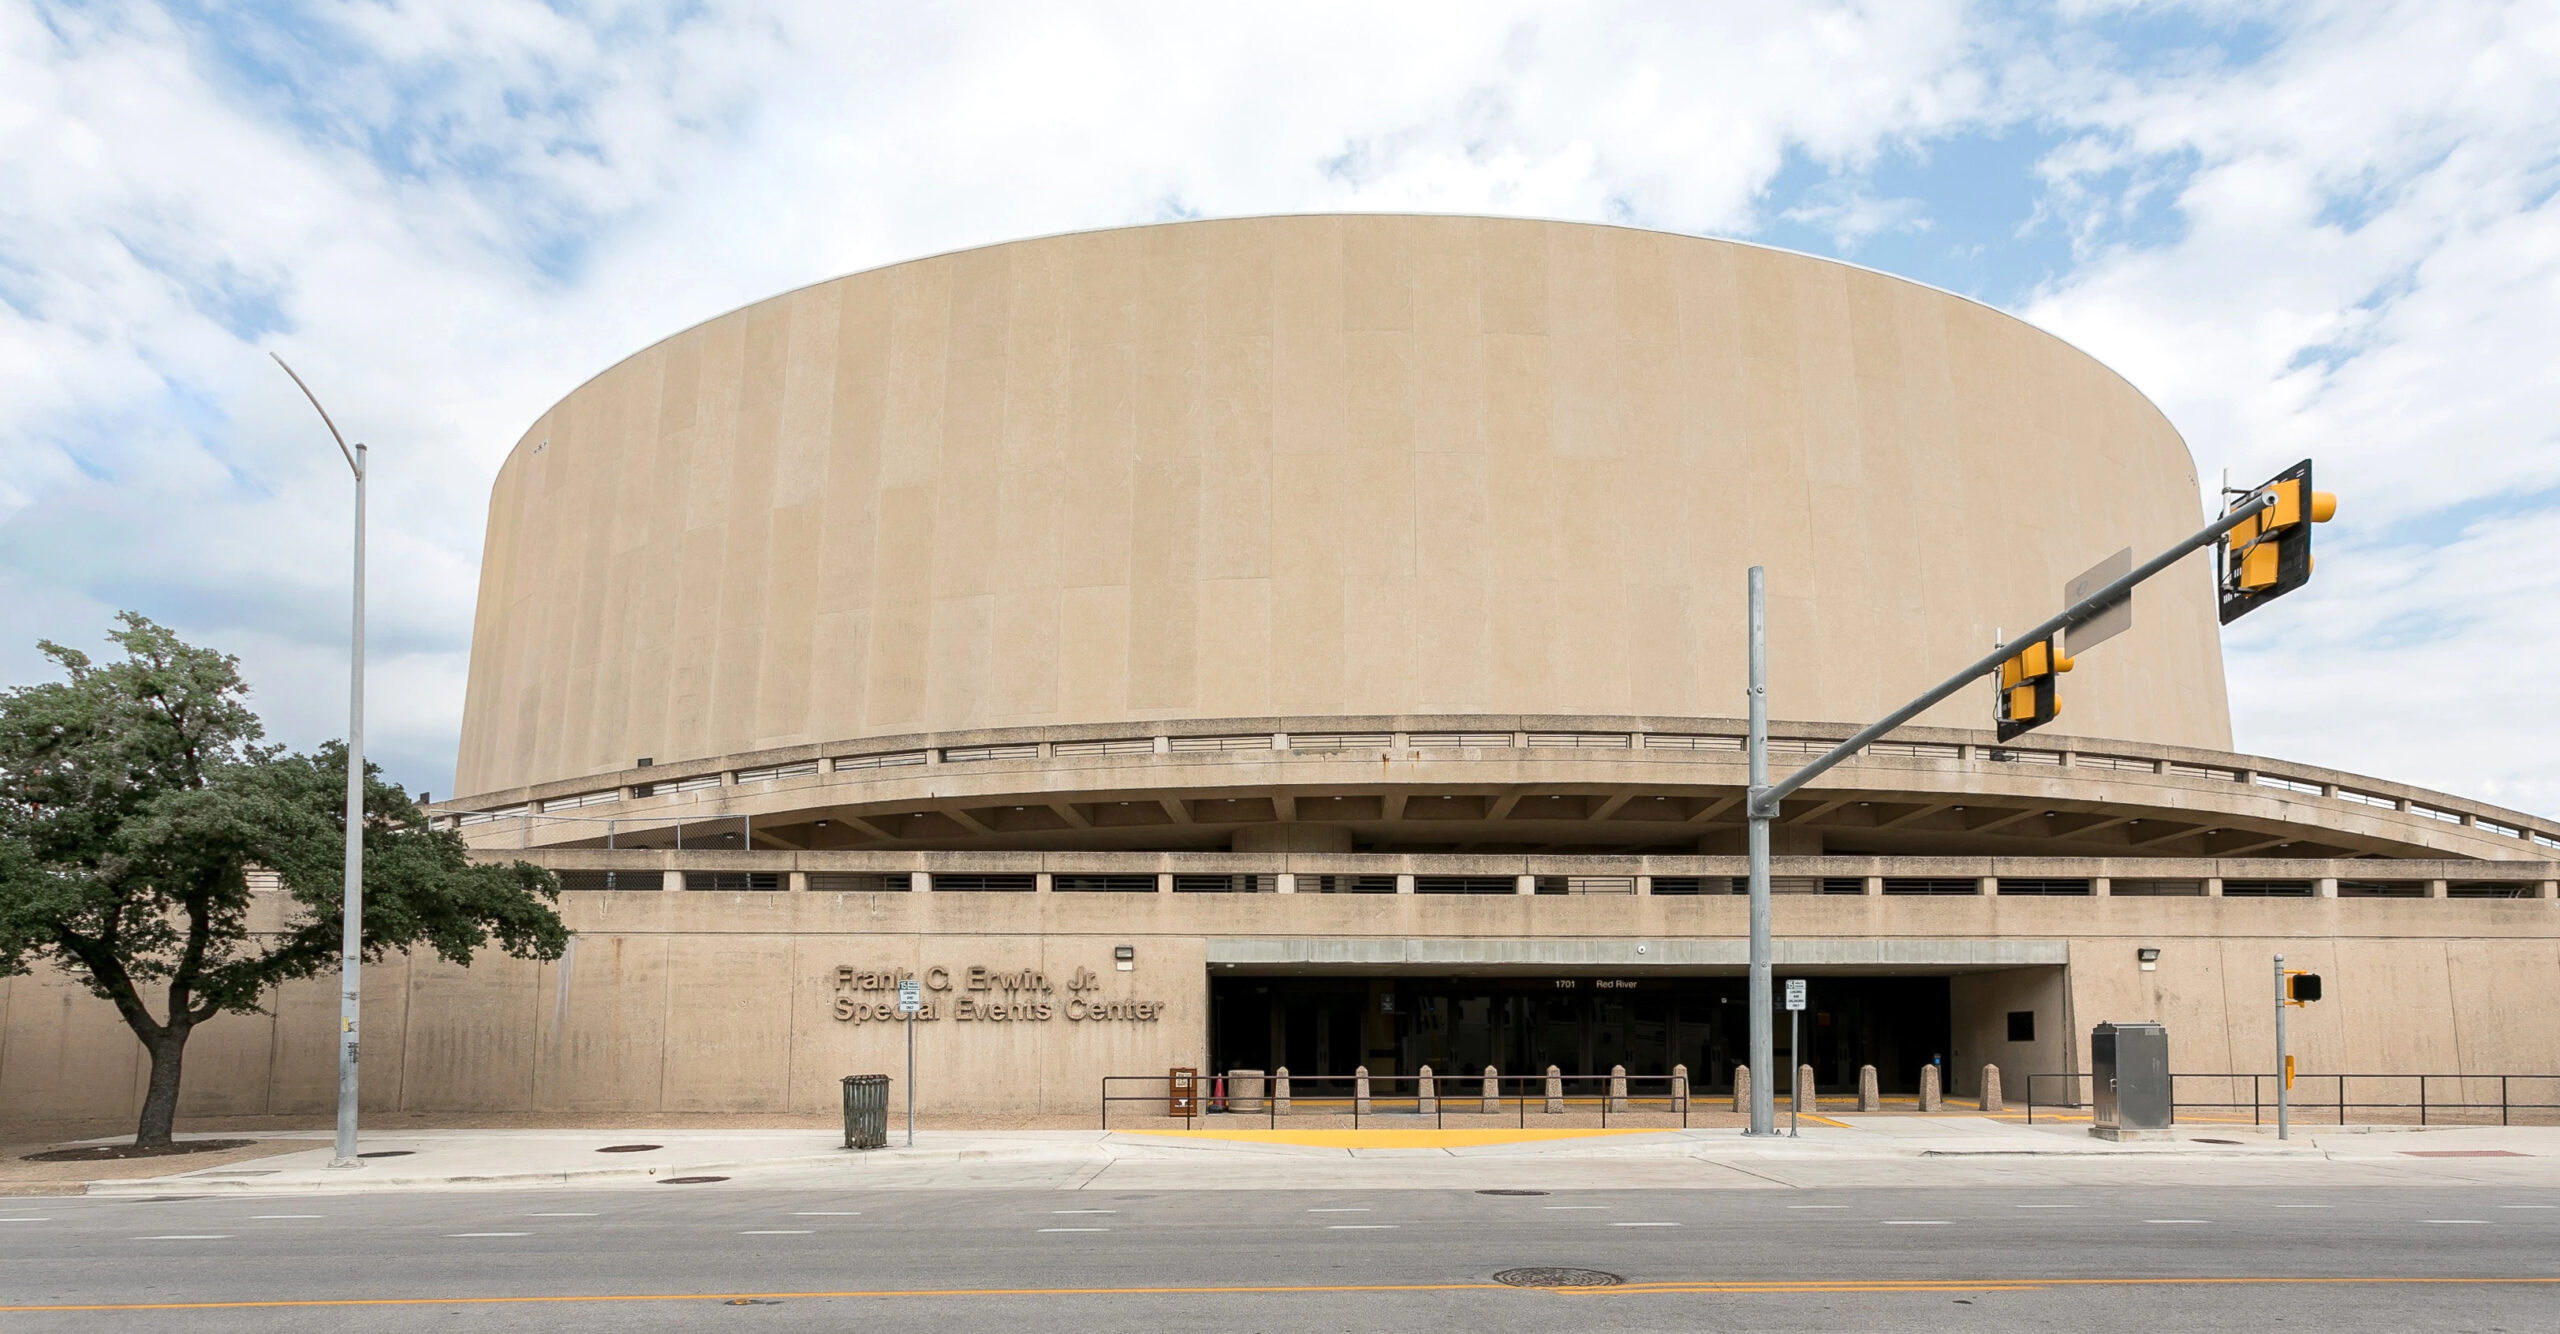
1312 465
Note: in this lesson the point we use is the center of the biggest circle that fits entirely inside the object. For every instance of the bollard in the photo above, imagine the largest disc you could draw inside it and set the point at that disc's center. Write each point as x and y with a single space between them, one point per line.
1741 1089
1492 1091
1555 1091
1244 1091
1617 1088
1359 1090
1991 1089
1425 1096
1930 1099
1869 1100
1280 1090
1802 1095
1679 1090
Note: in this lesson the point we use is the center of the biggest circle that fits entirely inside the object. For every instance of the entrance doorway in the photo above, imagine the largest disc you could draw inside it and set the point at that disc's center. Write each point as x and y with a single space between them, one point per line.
1321 1027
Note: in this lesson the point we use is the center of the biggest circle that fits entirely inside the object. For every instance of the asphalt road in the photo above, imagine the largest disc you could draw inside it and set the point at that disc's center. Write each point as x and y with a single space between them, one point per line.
695 1257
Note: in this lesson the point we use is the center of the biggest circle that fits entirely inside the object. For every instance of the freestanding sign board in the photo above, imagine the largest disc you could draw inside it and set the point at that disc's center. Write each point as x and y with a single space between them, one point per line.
1795 993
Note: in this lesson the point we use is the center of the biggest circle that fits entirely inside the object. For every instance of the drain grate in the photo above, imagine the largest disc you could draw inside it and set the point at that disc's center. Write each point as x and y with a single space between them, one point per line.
689 1181
1511 1192
628 1148
2201 1140
1544 1276
388 1153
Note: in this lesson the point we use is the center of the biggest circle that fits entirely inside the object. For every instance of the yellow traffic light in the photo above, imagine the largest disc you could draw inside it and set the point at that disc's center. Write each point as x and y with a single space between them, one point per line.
2028 699
2269 554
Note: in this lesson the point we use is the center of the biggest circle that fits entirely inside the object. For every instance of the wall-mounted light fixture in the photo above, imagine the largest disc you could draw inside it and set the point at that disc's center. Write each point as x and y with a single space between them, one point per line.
2150 958
1124 957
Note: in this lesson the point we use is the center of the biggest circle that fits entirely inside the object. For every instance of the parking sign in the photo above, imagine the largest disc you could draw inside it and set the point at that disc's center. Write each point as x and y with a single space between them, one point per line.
1795 993
910 997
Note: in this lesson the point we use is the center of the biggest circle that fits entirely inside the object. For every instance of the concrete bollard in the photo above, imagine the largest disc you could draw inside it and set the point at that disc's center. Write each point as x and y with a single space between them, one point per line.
1617 1088
1931 1100
1991 1089
1869 1100
1280 1090
1425 1096
1244 1091
1802 1095
1742 1088
1492 1091
1555 1091
1359 1090
1679 1090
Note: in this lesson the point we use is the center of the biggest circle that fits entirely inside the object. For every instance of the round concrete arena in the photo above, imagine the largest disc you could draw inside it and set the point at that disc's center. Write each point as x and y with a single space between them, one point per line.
1308 466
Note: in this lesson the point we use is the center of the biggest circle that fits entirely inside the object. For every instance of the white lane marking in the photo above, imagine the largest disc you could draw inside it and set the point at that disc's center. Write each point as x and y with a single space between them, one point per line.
1075 1229
1644 1225
2177 1220
1360 1227
1337 1211
2503 1206
1084 1211
2048 1206
488 1234
833 1213
269 1218
775 1232
1603 1206
1914 1222
48 1220
1817 1206
2302 1206
188 1236
2453 1220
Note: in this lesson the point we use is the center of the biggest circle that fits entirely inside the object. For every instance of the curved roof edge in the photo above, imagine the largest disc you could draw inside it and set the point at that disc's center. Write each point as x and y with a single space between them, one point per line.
644 349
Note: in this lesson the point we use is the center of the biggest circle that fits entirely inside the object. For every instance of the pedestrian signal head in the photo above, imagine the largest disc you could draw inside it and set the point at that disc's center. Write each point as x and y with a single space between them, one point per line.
2269 554
2028 699
2302 988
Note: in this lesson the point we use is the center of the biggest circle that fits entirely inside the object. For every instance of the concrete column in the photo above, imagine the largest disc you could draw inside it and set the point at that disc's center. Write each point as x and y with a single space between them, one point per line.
1491 1098
1869 1100
2551 889
2435 889
2213 886
1426 1094
1931 1099
671 881
1555 1091
2326 887
1164 882
1987 886
1288 882
1527 884
1280 1090
1872 887
1679 1090
2101 887
796 881
1360 1090
1991 1089
1801 1096
1741 1088
1617 1088
1042 882
920 882
1644 886
1404 884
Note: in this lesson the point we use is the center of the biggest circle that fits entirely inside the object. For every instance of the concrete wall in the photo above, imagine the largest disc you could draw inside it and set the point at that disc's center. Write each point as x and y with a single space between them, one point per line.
1313 465
725 1002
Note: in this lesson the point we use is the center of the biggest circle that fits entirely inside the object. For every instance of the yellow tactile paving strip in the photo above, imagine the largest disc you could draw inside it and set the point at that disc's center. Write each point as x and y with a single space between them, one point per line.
1388 1139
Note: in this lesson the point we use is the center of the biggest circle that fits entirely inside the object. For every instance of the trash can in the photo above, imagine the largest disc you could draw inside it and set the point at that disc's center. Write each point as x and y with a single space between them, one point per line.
866 1111
2129 1069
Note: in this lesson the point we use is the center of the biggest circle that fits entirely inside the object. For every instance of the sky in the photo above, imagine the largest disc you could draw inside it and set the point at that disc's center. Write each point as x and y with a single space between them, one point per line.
2320 230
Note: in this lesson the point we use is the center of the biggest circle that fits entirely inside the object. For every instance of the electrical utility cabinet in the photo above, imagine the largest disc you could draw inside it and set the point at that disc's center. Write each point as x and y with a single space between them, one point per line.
2129 1065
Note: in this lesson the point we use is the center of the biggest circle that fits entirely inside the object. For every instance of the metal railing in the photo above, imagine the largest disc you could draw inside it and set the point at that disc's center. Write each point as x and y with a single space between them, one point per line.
1403 1100
2313 1094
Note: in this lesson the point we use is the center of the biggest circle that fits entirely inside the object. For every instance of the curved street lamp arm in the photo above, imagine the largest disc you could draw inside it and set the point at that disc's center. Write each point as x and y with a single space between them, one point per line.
324 416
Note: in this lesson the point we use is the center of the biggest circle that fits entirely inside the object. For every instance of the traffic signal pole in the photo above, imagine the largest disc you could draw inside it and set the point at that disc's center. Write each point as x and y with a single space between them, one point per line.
2284 1076
1761 802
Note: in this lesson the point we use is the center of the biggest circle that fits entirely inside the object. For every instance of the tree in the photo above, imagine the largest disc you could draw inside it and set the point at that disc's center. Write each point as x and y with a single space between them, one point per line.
135 800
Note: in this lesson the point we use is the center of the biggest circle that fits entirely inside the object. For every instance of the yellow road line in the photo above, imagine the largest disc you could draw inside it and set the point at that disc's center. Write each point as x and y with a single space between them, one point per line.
1389 1139
1747 1287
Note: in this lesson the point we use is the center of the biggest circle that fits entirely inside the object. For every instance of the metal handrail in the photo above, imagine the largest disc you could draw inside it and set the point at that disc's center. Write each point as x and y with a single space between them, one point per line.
2262 1099
1668 1095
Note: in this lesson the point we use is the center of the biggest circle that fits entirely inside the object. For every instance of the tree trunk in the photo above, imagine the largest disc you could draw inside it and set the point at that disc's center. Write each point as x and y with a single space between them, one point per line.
160 1102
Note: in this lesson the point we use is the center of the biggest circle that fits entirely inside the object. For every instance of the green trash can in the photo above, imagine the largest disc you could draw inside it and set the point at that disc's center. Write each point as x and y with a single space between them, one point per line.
866 1111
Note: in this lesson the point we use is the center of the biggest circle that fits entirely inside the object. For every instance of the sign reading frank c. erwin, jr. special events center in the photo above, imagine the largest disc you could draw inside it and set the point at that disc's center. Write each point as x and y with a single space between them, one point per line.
987 995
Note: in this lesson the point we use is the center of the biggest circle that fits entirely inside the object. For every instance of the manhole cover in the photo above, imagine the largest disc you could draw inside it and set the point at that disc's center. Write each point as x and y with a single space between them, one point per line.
1544 1277
2216 1141
388 1153
627 1148
1511 1192
688 1181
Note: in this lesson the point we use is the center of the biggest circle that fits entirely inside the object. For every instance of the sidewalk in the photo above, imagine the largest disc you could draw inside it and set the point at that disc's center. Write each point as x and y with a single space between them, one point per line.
1845 1150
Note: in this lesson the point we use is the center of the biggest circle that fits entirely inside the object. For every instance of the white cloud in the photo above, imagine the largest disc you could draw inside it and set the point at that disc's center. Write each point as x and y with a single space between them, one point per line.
447 215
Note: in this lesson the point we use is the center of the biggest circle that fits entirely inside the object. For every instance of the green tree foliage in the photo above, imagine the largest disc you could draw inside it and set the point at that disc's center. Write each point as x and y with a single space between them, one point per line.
135 799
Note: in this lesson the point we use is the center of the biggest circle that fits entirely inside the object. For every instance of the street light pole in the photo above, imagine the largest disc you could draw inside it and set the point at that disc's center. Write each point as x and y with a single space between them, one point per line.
1764 1073
351 934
